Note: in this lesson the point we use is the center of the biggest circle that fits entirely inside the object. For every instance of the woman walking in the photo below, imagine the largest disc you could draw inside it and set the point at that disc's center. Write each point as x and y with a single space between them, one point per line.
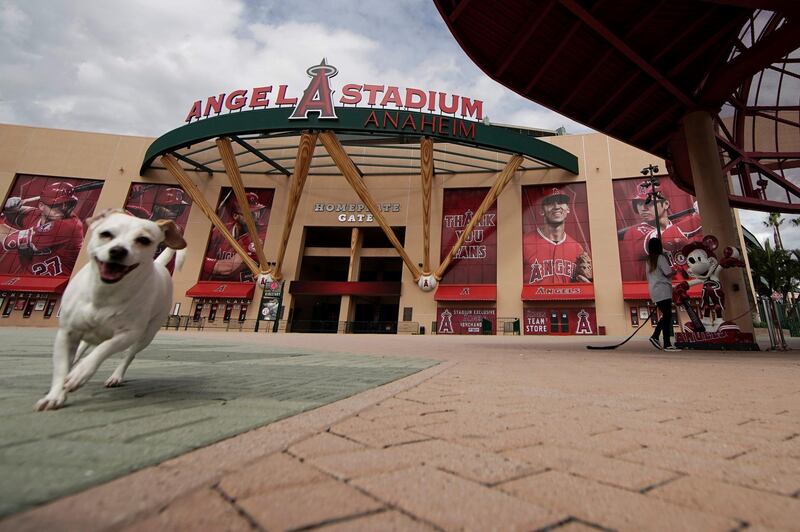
659 281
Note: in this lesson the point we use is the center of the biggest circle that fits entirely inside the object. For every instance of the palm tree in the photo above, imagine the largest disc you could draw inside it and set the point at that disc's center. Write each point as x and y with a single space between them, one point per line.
775 221
774 270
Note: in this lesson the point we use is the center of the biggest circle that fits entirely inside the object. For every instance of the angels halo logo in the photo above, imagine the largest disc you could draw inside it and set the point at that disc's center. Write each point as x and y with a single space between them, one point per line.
318 96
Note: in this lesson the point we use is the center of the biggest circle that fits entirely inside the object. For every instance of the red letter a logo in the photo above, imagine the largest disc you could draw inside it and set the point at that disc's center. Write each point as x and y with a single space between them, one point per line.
318 96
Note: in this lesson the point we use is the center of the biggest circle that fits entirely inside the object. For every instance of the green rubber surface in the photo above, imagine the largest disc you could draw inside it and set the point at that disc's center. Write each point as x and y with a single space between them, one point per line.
180 393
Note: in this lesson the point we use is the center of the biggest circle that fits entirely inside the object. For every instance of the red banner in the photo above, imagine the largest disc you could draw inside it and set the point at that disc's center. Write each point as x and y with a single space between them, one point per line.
679 219
221 262
556 292
41 225
457 320
556 246
560 322
476 261
159 202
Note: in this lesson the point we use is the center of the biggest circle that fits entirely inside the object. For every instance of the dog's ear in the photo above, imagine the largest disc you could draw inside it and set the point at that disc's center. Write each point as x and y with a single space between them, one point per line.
89 223
172 235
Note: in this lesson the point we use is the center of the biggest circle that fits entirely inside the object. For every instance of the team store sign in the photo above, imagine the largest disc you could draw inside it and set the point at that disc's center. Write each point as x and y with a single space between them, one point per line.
560 321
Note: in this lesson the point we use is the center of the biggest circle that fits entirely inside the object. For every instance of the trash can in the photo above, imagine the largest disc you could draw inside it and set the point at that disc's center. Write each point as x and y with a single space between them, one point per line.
486 326
422 329
516 327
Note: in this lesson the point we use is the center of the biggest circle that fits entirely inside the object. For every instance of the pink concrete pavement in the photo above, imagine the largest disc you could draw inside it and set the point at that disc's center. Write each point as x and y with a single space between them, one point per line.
508 433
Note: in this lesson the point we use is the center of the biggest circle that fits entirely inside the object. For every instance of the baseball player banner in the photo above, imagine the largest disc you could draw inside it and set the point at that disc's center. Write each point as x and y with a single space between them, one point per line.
221 262
160 202
678 216
453 320
556 245
560 321
476 261
41 224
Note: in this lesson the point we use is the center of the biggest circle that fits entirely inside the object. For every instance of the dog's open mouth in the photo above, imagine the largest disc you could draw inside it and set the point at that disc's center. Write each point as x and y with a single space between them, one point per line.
112 272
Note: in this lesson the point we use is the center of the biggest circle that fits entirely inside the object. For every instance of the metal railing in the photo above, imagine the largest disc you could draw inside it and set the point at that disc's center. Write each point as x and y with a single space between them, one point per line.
508 326
772 314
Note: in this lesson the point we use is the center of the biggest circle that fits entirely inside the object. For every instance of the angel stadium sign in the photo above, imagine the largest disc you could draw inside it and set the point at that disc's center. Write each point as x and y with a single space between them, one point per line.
374 111
318 98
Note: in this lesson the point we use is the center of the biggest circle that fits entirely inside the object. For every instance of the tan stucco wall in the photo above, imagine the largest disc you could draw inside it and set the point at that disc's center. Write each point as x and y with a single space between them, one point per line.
116 160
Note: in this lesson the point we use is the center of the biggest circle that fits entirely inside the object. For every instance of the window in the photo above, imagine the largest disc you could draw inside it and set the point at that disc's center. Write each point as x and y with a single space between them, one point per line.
635 316
407 313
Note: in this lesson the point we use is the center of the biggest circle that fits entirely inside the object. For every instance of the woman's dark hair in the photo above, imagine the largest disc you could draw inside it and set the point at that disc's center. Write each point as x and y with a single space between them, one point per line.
654 250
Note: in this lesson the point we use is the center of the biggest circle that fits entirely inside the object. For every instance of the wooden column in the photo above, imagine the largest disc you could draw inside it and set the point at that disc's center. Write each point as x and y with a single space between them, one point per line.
232 170
501 182
302 162
197 197
355 253
426 167
348 169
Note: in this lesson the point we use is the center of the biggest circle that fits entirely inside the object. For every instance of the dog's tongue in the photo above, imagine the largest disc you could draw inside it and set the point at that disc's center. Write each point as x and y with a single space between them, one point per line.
111 272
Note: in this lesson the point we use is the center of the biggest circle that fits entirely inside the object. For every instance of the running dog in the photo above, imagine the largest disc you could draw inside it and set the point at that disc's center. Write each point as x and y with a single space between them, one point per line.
116 302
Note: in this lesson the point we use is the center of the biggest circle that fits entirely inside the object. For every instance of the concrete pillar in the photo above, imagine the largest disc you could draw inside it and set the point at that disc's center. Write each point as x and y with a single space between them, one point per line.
711 191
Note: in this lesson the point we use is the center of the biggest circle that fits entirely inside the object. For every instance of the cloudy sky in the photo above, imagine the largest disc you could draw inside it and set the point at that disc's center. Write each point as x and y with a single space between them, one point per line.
134 67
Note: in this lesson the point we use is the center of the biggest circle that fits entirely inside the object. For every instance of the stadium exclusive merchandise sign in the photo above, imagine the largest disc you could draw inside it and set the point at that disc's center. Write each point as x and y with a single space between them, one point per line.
270 307
466 320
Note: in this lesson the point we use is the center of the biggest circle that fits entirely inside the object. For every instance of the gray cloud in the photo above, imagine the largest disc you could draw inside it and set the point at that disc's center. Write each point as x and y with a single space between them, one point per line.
135 67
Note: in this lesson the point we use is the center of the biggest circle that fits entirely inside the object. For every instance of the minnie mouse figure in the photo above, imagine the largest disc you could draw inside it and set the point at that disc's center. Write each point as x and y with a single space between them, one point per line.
698 261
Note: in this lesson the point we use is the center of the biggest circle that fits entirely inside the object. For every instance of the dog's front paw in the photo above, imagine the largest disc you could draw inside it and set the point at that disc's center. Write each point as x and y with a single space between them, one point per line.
78 376
114 380
51 401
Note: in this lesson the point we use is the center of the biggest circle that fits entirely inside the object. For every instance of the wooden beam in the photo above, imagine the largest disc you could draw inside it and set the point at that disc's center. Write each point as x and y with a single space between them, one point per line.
188 185
353 269
302 163
349 171
500 183
426 166
232 170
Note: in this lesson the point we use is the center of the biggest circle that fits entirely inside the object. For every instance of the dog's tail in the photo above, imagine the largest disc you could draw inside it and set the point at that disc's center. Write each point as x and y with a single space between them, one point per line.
165 256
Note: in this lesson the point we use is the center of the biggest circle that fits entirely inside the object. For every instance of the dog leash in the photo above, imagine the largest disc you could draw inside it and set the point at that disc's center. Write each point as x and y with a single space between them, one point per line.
652 311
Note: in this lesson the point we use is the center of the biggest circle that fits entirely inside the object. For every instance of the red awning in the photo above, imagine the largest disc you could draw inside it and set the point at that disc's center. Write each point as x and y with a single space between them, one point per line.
344 288
33 283
558 292
221 289
466 292
638 290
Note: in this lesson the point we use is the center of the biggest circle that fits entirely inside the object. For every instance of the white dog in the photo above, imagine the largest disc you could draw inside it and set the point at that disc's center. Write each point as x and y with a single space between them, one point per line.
116 302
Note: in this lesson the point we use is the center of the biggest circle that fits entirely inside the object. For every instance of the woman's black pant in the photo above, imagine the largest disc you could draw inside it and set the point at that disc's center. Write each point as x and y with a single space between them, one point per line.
665 323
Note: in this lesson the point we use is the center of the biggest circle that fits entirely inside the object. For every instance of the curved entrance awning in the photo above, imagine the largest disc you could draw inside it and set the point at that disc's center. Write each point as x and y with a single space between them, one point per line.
356 143
265 144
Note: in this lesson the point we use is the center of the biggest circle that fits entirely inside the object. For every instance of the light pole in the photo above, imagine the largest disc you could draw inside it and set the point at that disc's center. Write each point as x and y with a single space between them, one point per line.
654 195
